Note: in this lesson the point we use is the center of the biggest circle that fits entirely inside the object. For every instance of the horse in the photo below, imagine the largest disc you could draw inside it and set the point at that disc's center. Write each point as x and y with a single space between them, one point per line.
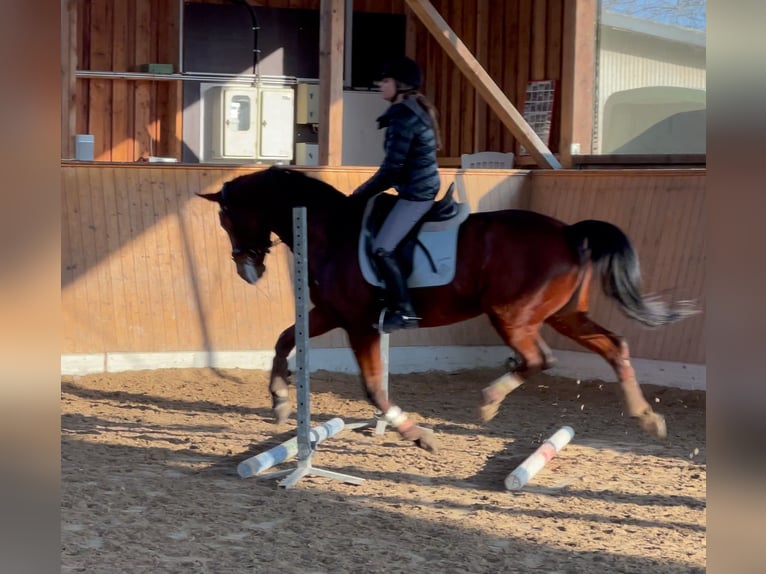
520 268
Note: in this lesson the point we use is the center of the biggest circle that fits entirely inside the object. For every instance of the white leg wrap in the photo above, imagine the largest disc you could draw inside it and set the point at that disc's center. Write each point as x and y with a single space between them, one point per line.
394 416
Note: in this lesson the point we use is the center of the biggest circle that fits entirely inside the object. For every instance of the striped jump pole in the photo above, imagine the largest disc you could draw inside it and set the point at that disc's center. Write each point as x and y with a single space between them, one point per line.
305 448
287 450
538 459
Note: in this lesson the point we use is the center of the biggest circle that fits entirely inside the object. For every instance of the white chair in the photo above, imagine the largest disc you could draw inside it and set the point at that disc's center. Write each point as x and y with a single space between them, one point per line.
487 160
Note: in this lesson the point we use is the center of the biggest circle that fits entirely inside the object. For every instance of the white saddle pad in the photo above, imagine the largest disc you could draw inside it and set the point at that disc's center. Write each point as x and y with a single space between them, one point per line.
439 238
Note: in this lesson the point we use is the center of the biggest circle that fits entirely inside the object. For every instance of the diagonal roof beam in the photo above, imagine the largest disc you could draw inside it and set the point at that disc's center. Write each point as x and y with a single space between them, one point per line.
483 83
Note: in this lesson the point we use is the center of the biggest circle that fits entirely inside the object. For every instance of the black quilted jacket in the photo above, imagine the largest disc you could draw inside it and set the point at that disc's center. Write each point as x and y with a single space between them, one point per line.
410 164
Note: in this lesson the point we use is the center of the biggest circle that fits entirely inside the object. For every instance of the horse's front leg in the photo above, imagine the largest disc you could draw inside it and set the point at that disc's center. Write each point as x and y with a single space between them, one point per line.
319 323
366 347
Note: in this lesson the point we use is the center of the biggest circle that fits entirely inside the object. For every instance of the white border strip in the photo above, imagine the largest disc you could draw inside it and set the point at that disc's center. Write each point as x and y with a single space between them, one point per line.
571 364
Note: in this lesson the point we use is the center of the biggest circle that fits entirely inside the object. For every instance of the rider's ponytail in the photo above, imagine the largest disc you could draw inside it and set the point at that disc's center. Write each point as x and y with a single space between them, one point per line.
432 113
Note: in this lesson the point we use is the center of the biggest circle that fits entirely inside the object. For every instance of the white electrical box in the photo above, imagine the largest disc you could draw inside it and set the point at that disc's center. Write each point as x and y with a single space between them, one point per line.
277 123
249 123
306 154
307 104
233 122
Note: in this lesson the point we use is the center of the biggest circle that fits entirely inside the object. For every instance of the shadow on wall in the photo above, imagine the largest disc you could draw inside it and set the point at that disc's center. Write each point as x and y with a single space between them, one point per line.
655 120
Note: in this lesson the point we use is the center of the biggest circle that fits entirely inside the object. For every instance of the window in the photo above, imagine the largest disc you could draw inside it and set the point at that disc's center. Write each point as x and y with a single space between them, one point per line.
239 112
651 77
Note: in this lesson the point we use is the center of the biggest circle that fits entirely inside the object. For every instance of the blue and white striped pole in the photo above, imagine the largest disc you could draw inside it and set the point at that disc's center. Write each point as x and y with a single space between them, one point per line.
287 449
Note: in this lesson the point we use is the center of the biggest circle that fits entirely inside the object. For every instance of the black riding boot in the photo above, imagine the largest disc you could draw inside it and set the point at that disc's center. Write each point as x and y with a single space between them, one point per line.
401 315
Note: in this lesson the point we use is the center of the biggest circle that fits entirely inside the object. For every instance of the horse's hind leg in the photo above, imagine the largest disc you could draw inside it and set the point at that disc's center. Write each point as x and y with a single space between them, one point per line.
580 328
548 359
366 347
516 362
319 323
531 356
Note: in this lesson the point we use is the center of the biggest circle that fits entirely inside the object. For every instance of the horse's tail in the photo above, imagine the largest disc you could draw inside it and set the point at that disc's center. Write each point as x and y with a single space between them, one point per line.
616 262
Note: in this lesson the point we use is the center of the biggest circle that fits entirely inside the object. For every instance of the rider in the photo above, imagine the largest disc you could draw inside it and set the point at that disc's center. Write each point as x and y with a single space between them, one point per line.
410 167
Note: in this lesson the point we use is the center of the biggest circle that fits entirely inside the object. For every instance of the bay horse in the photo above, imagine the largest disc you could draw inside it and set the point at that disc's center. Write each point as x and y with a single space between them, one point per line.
520 268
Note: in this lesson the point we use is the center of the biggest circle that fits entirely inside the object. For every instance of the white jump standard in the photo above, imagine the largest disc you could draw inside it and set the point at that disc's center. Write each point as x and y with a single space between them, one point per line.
304 431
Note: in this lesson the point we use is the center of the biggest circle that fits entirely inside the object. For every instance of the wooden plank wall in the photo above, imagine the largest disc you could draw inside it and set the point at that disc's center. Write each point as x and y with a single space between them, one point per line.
515 40
662 212
146 267
130 119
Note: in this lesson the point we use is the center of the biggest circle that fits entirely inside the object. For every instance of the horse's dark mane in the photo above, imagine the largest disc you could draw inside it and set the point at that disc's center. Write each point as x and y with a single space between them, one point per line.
294 186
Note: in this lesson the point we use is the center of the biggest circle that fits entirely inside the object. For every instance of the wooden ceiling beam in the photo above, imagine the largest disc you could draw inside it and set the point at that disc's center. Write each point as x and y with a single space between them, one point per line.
483 82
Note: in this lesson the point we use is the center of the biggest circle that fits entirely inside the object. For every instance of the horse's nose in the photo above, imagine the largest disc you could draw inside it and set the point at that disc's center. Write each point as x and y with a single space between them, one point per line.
250 272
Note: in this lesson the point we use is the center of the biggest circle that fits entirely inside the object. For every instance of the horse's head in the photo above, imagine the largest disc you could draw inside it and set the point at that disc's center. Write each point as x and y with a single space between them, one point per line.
255 205
250 237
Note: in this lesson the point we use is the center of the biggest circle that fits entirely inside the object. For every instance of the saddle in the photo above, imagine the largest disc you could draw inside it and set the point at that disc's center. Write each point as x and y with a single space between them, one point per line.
427 254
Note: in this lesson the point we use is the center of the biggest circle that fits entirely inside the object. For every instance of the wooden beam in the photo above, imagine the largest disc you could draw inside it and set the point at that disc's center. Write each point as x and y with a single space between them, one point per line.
480 107
537 66
100 94
410 34
523 53
469 14
82 88
122 139
483 83
664 160
168 50
68 78
142 98
331 38
577 78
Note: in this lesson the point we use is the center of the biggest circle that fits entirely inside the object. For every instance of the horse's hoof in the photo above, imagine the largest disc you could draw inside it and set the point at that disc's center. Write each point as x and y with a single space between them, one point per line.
422 437
427 441
492 397
487 412
282 412
549 363
654 424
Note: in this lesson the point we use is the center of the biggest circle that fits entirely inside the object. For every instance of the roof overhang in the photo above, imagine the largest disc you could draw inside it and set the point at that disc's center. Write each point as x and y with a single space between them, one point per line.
656 29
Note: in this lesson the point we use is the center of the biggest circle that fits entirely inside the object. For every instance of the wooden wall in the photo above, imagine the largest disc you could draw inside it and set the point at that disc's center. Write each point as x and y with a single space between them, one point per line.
146 267
515 40
130 119
662 212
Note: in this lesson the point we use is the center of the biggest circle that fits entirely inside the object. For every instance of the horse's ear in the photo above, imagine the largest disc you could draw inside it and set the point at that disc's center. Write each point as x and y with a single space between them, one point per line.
211 196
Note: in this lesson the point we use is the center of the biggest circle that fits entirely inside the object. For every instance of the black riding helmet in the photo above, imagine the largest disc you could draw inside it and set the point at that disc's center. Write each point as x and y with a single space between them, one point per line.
404 70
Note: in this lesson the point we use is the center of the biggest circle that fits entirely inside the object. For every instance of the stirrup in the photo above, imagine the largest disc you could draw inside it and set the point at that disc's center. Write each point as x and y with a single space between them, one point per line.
389 321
